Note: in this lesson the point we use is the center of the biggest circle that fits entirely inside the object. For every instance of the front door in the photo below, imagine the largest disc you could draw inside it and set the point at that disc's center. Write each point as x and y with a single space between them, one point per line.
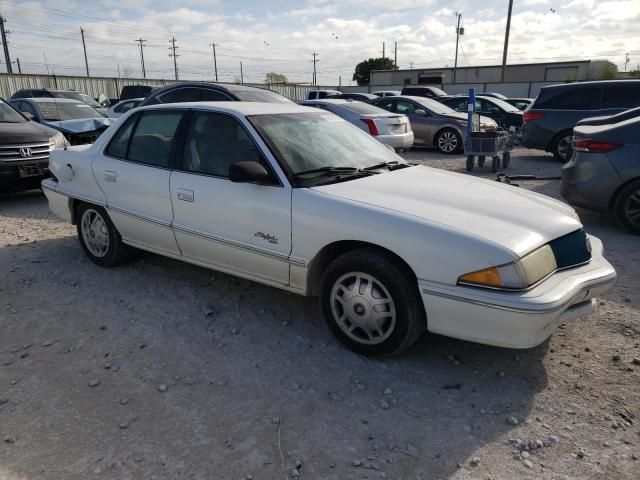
133 173
421 123
241 228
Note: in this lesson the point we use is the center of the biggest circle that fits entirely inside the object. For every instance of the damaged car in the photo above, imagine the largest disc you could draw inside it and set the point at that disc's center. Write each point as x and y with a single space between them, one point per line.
78 122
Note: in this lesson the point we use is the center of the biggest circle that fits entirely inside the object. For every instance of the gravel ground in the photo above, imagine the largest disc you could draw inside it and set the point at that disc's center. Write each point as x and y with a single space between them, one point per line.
162 370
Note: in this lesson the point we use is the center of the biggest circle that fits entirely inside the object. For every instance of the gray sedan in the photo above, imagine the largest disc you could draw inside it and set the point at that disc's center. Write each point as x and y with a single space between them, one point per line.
433 124
603 174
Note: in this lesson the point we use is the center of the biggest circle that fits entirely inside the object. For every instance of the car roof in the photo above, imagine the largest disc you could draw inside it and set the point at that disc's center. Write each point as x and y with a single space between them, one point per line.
49 100
593 83
242 108
335 101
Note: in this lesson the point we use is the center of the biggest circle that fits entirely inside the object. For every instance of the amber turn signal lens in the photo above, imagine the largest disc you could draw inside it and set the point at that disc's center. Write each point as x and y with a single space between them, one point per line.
488 276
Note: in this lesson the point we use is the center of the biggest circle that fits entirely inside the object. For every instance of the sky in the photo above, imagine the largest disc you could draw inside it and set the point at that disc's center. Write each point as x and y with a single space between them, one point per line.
270 36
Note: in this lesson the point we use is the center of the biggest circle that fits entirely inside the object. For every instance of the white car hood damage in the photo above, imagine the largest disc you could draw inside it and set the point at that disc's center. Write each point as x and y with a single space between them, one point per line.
514 218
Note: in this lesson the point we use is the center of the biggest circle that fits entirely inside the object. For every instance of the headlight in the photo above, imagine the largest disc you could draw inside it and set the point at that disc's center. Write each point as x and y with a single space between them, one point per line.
58 141
517 275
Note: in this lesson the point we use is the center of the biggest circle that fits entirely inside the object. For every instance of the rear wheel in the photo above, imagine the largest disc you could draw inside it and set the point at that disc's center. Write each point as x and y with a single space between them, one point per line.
99 238
371 303
627 207
448 141
561 147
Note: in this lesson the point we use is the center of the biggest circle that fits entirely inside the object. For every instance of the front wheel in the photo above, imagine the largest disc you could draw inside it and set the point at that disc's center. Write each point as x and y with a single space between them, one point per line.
99 238
627 207
448 141
372 303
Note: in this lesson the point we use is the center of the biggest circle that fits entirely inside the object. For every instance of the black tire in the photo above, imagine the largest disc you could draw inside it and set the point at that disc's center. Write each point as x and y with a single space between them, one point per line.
448 141
627 207
506 159
470 161
481 160
116 252
560 149
495 163
389 278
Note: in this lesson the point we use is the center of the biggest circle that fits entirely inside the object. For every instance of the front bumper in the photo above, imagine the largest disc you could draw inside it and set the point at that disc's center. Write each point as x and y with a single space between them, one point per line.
517 319
24 175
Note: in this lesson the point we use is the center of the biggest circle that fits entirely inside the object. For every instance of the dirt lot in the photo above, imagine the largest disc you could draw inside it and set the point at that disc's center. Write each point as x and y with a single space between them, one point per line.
119 374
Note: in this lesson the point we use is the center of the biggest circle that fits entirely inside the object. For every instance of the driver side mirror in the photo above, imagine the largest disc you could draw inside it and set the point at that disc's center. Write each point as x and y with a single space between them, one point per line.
420 112
250 172
28 115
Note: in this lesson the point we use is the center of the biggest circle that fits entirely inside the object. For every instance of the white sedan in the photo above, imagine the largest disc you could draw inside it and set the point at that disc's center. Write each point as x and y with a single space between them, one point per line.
299 199
120 108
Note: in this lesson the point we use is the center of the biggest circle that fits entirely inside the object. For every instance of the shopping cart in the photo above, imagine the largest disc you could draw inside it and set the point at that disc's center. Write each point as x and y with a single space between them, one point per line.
488 144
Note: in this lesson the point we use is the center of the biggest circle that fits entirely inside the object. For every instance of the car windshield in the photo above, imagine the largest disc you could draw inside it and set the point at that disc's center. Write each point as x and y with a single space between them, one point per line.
507 107
311 141
260 95
89 101
84 98
363 108
438 92
435 106
55 111
9 115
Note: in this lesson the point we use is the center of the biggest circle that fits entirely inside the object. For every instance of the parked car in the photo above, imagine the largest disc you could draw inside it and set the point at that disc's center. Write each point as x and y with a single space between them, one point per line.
433 124
420 91
78 122
301 200
505 115
492 95
386 93
211 92
361 97
603 174
391 129
24 150
520 103
120 108
45 93
318 94
129 92
548 123
607 119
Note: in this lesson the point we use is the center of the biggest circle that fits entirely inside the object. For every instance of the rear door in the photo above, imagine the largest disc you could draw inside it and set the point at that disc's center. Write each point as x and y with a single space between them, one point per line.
133 172
240 228
421 124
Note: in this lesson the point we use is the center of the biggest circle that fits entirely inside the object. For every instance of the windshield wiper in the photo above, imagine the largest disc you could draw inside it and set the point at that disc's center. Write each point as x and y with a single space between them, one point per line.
338 170
391 164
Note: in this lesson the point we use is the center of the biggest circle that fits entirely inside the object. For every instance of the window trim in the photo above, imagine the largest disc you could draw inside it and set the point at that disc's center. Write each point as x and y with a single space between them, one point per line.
138 115
180 147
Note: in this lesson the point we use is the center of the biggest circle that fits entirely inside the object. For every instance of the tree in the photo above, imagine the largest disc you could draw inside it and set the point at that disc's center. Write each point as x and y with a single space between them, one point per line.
273 77
363 69
609 72
635 73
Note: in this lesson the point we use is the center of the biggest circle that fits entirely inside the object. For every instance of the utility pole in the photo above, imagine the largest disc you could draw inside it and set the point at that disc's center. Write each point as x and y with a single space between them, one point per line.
118 70
411 65
339 81
315 60
382 49
174 55
241 74
141 42
458 33
626 62
506 41
84 47
215 63
7 59
18 63
395 54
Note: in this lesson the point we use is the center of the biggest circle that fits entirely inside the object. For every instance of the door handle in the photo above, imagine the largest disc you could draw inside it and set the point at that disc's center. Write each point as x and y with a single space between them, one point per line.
110 176
185 195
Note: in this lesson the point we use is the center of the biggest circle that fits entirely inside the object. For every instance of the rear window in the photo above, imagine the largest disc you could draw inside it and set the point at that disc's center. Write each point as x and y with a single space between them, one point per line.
363 108
575 99
621 96
260 95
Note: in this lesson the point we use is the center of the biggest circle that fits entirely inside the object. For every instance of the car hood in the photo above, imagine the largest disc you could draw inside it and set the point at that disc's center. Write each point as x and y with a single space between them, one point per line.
514 218
24 132
80 125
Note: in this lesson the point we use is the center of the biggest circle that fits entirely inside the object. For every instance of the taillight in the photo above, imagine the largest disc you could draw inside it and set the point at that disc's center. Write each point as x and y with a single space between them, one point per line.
373 128
531 116
593 146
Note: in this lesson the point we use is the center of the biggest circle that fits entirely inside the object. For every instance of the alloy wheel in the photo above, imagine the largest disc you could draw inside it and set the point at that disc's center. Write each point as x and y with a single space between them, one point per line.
447 142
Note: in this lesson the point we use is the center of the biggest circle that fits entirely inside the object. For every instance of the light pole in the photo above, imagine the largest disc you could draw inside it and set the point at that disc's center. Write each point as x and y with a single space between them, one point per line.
506 42
459 31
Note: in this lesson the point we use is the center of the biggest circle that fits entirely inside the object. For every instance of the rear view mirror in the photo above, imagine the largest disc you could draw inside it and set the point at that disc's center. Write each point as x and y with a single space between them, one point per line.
28 115
104 100
249 172
421 112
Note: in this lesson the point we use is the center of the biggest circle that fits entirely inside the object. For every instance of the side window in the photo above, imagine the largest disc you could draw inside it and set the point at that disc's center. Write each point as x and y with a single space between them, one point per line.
402 106
26 107
485 106
213 96
621 96
578 99
216 141
20 94
180 95
120 141
385 104
153 137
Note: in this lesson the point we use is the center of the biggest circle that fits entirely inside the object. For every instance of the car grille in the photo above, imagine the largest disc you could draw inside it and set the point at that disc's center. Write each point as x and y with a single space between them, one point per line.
571 249
25 152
